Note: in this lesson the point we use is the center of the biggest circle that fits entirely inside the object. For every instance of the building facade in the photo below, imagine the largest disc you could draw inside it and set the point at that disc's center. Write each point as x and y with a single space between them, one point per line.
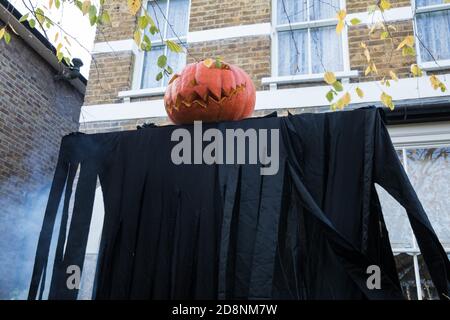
36 110
286 46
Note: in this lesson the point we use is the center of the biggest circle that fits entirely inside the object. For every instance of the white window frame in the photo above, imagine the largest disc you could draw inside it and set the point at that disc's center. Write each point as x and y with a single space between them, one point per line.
424 135
139 57
309 77
428 65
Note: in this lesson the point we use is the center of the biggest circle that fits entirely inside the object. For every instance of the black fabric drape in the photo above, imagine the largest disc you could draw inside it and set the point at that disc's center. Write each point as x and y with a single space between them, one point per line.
224 231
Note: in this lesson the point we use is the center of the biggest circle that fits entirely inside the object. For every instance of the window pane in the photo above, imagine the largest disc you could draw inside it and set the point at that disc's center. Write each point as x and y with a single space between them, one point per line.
422 3
429 171
150 68
289 61
178 18
326 50
176 61
323 9
152 7
429 292
405 269
295 9
434 32
397 223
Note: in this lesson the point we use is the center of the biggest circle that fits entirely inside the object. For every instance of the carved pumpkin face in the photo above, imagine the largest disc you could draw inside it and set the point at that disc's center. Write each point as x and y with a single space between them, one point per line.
209 92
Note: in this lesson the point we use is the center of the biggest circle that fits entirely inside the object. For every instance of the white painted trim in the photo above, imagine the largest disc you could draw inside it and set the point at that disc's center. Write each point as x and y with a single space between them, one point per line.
115 46
391 15
433 66
432 8
305 97
420 134
302 78
148 92
249 30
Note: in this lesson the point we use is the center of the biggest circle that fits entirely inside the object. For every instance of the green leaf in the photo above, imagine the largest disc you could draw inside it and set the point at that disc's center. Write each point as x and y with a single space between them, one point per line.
92 15
57 4
40 15
384 35
330 95
105 18
408 51
337 85
146 43
173 46
355 21
153 30
32 23
159 76
24 18
143 22
162 61
60 56
7 37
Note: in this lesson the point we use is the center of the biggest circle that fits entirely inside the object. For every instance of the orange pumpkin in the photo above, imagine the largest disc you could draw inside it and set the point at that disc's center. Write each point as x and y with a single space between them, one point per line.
209 91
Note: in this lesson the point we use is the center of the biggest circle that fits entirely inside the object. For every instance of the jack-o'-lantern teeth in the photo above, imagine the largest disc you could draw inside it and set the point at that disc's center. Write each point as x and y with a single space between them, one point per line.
203 101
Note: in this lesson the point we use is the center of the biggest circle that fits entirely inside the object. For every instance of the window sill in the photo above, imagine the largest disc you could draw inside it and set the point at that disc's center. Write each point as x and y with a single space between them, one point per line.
305 78
433 66
139 93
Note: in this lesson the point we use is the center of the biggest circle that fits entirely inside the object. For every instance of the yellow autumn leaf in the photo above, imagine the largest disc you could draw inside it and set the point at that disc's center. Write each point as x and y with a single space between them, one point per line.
363 45
416 71
437 84
385 5
50 4
346 98
393 75
137 37
359 92
387 100
208 62
408 41
329 77
340 25
367 54
85 6
134 6
341 14
2 32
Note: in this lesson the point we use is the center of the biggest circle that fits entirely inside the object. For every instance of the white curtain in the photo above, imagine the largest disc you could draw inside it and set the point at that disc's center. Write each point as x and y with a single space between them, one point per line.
434 32
323 9
326 50
178 18
289 62
152 8
296 10
151 69
176 61
423 3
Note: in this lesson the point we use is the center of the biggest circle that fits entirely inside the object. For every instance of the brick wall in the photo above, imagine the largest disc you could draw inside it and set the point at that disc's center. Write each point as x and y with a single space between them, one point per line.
354 6
252 54
383 52
211 14
122 25
109 73
35 112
